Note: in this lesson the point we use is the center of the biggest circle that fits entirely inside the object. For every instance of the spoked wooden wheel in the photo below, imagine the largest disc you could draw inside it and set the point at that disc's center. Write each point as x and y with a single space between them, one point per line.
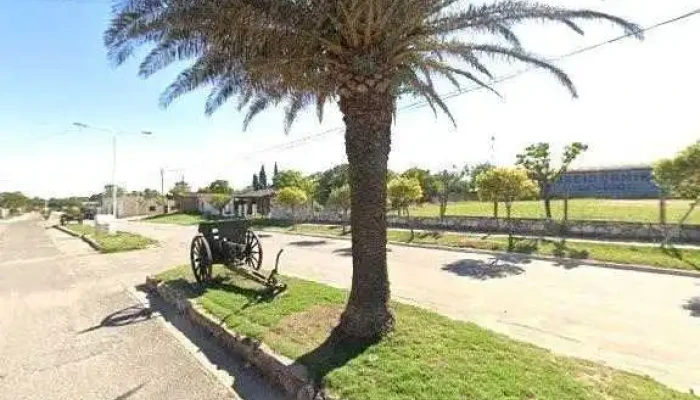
201 259
253 250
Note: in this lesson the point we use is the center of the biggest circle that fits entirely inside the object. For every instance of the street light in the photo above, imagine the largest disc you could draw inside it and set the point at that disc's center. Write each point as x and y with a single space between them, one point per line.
114 158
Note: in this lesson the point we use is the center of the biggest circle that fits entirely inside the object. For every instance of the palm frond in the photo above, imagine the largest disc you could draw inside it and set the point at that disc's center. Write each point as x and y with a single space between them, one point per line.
262 53
170 51
295 105
426 91
519 55
258 105
449 71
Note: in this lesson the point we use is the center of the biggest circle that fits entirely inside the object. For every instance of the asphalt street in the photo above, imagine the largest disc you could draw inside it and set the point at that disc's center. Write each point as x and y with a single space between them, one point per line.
73 327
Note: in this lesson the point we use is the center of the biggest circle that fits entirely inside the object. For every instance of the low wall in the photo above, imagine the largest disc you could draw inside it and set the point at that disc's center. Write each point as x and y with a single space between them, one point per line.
611 230
575 229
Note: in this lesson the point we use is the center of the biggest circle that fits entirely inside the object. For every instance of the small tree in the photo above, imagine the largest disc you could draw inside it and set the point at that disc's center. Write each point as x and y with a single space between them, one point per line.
288 178
680 177
310 186
262 178
506 185
275 172
447 183
403 192
180 188
220 186
292 197
428 184
331 179
537 161
340 198
219 201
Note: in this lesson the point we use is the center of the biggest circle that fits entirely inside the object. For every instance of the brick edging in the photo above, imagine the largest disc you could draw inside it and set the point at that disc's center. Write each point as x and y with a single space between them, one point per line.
588 262
90 241
292 378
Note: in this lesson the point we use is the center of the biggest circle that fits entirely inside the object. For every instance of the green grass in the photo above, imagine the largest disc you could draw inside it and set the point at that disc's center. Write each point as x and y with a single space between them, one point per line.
579 209
428 356
114 243
177 218
682 259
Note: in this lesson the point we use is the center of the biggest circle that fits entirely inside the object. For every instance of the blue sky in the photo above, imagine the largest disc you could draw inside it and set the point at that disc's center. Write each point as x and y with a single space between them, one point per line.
638 102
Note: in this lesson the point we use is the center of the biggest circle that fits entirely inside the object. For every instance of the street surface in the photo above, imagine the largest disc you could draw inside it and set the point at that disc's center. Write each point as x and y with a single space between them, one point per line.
627 319
72 329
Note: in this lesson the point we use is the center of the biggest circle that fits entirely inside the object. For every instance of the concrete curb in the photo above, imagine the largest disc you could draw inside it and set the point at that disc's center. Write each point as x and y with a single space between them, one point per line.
587 262
280 371
90 241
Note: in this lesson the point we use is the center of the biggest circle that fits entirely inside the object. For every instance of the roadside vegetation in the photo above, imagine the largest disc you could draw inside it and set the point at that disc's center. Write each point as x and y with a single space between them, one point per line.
177 219
417 360
672 258
113 243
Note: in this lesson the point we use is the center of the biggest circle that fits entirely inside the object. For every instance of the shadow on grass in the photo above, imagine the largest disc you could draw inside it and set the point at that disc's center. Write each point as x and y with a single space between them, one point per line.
247 383
429 234
693 305
255 296
130 392
333 353
495 268
308 243
567 257
126 316
678 255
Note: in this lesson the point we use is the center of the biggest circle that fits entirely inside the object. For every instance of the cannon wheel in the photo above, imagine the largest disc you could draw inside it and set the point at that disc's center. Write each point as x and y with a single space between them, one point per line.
253 250
201 259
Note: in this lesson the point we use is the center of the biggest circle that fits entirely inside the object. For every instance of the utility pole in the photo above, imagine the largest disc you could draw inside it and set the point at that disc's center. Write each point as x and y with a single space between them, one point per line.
114 158
492 150
162 182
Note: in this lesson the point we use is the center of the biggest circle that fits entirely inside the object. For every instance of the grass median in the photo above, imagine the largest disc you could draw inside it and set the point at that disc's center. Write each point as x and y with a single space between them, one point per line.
113 243
428 356
654 256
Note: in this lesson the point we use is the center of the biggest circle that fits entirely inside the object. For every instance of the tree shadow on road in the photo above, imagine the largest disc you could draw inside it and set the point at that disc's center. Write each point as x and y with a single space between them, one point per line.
130 392
494 268
126 316
678 255
693 305
347 251
308 243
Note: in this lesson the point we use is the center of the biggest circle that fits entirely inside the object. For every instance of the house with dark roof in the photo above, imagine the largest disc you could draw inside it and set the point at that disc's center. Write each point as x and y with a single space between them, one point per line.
242 204
253 202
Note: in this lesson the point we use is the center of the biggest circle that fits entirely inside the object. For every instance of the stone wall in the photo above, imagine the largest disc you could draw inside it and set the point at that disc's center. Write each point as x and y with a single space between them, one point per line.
130 206
610 230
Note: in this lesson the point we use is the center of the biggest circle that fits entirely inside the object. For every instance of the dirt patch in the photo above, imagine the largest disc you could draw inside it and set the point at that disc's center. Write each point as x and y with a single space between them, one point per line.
307 328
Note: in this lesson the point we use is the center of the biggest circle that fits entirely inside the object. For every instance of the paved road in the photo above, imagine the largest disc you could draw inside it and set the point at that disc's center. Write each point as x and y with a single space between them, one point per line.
627 319
70 329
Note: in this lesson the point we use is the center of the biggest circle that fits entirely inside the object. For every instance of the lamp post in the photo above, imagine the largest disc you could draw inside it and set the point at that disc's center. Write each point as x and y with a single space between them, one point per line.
114 158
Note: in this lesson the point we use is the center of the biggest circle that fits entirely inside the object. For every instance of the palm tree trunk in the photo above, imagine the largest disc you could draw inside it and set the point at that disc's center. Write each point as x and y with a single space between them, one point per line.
367 143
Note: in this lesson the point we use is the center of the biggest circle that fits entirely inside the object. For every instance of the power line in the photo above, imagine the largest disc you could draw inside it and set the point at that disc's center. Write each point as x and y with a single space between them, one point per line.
558 58
449 95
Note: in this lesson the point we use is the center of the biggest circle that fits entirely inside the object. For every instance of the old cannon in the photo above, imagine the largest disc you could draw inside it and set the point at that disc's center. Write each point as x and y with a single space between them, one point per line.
233 244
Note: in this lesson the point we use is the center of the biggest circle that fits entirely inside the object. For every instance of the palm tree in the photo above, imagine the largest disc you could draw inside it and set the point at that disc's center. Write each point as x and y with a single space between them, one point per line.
361 54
